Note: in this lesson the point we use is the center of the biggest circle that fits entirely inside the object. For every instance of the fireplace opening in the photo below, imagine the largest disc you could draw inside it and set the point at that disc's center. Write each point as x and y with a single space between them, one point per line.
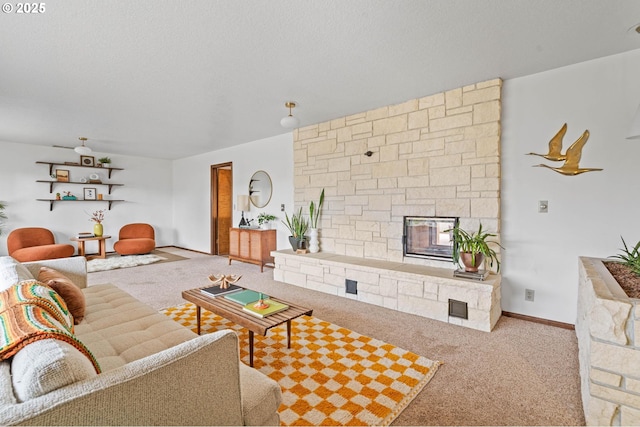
427 237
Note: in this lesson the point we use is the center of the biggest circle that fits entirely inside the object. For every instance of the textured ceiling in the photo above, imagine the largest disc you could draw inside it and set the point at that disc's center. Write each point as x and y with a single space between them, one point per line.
171 79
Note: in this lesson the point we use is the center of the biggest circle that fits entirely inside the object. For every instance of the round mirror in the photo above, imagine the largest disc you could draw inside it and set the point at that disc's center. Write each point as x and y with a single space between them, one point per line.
260 189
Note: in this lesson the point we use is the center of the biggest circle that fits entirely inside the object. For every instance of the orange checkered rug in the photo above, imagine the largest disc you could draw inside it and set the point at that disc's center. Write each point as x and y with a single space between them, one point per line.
331 375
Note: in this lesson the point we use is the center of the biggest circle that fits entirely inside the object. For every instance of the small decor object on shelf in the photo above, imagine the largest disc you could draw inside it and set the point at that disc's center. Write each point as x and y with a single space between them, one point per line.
89 193
94 178
224 280
97 217
104 161
68 196
87 160
58 196
62 175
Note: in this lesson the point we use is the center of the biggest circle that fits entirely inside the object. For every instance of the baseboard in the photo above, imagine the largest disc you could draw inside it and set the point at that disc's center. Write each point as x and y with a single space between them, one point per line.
539 320
185 249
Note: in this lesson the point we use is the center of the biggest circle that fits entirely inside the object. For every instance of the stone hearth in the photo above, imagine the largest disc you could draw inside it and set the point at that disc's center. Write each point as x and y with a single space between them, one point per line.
420 290
608 330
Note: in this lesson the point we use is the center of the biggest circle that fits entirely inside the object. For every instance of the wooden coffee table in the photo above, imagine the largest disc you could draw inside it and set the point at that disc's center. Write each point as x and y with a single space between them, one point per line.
233 311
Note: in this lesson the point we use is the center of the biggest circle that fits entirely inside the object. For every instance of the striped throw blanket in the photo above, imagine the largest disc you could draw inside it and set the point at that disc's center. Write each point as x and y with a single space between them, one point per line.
31 311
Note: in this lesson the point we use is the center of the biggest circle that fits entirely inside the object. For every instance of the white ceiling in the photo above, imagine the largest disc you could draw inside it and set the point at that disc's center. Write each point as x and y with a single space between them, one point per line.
171 79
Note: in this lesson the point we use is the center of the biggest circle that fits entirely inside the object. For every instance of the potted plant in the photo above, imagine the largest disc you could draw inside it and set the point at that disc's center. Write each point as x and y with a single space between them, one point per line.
298 226
264 220
104 161
473 248
3 216
314 215
629 258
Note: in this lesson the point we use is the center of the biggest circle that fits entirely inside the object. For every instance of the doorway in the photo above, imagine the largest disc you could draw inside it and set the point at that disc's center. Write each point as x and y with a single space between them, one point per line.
221 207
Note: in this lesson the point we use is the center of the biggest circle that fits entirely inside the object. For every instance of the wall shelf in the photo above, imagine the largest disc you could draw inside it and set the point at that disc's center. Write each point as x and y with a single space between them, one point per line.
52 201
86 184
111 185
77 165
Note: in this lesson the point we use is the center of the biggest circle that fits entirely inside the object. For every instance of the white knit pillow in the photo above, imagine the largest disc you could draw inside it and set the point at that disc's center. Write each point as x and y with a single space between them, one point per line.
47 365
12 272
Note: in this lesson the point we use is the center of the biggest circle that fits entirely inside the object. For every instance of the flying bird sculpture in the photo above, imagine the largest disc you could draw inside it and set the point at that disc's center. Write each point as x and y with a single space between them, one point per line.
555 147
574 153
224 280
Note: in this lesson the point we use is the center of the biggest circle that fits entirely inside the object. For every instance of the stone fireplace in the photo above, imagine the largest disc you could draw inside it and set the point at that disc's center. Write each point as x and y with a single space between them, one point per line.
436 156
428 237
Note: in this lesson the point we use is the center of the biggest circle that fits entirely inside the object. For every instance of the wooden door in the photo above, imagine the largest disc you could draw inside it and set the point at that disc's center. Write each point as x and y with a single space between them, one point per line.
221 207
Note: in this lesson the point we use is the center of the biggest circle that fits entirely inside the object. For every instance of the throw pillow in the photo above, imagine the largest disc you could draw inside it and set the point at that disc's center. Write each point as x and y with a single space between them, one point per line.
12 272
46 365
70 293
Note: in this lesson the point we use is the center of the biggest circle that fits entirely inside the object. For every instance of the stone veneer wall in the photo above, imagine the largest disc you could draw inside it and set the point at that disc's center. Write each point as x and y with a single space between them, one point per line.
432 156
608 330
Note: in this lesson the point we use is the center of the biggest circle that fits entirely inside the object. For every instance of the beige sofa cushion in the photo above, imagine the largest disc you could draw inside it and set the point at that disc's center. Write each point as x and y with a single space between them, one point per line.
47 365
119 329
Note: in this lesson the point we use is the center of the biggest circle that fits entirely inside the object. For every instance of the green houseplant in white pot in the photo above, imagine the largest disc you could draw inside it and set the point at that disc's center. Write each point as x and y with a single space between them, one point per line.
472 248
298 226
314 215
264 220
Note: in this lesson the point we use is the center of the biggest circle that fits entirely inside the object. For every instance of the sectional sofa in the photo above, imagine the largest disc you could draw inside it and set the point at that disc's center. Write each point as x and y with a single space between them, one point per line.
153 371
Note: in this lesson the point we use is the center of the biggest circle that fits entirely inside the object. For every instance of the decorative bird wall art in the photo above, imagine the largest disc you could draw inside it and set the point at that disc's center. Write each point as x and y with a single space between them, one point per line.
572 156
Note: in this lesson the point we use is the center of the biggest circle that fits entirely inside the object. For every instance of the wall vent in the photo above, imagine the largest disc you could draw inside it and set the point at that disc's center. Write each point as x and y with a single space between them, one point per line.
458 309
351 286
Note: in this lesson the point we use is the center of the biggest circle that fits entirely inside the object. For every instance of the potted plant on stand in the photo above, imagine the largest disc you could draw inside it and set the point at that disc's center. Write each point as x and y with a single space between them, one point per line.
314 214
298 226
472 249
264 220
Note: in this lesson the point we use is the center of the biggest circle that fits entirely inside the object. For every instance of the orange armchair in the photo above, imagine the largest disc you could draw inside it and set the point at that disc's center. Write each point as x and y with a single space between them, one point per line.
135 239
35 244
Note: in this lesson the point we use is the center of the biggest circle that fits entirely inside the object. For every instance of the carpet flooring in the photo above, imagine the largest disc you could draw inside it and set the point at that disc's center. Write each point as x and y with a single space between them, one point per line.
330 375
521 373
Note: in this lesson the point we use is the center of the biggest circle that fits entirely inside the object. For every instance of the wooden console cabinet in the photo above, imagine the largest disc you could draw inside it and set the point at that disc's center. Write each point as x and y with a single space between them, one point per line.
252 245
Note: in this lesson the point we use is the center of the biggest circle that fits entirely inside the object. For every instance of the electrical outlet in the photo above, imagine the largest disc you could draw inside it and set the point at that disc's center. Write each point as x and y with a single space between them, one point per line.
529 295
282 207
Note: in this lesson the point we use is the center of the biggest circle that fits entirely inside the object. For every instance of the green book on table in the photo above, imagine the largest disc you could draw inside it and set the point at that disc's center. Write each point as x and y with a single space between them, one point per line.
245 297
274 307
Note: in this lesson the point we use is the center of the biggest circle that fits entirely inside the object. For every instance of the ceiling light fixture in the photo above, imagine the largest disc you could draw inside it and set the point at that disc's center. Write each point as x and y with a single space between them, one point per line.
289 122
82 149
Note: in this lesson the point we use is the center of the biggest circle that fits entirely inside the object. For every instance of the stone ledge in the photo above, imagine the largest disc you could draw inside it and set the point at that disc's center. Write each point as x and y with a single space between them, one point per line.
415 289
609 354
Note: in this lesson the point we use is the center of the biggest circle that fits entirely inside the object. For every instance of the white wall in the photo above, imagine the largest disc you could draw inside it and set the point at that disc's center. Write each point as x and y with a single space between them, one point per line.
192 187
146 191
587 213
